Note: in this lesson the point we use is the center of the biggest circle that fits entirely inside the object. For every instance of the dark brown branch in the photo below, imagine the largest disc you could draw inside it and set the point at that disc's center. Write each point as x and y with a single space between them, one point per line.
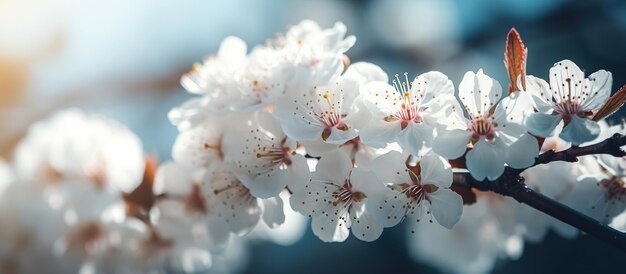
512 184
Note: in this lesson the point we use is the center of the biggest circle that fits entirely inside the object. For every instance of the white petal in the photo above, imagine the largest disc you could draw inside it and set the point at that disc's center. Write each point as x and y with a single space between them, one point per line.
232 49
294 120
542 124
328 226
338 136
600 84
415 138
446 206
334 167
562 74
299 173
313 198
540 93
367 182
364 72
391 168
435 170
513 108
365 226
273 214
485 160
451 144
522 153
378 133
479 92
379 98
269 184
392 208
436 84
580 130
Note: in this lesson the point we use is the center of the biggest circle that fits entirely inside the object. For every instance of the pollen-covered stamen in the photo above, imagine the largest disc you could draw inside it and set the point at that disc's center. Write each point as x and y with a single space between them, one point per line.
345 196
615 188
483 127
408 110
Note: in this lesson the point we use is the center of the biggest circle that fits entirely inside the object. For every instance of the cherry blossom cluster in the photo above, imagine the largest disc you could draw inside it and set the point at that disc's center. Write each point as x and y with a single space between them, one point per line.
289 131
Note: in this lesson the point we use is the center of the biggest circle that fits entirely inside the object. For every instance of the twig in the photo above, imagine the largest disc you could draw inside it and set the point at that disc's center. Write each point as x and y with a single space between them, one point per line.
512 184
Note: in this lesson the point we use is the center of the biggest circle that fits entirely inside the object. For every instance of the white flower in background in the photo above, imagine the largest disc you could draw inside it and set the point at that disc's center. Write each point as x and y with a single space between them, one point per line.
184 212
419 194
483 235
571 98
338 199
214 79
599 192
325 113
264 159
315 55
75 145
555 180
407 111
493 127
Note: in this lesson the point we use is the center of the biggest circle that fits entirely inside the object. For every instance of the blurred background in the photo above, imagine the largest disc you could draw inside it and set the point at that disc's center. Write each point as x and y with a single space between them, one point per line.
124 59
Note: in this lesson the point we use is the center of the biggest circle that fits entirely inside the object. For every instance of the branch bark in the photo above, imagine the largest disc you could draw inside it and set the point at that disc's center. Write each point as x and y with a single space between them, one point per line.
512 184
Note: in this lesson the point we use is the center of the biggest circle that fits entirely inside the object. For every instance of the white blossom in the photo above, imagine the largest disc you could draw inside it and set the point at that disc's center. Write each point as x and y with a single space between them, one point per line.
571 98
338 199
407 111
75 145
264 159
417 195
493 127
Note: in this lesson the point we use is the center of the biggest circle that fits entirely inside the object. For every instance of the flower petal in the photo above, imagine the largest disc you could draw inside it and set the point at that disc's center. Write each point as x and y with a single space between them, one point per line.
451 144
378 133
334 167
562 74
580 130
364 72
523 152
435 170
416 138
329 227
485 160
600 84
542 124
273 213
391 168
446 206
540 93
365 226
479 92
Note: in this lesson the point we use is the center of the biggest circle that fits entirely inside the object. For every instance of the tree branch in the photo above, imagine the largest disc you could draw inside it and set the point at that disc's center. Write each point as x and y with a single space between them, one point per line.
512 184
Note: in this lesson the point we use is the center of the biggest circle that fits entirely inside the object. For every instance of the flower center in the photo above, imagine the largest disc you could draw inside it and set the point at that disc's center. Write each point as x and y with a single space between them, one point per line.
346 196
276 155
568 108
615 188
483 127
409 110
